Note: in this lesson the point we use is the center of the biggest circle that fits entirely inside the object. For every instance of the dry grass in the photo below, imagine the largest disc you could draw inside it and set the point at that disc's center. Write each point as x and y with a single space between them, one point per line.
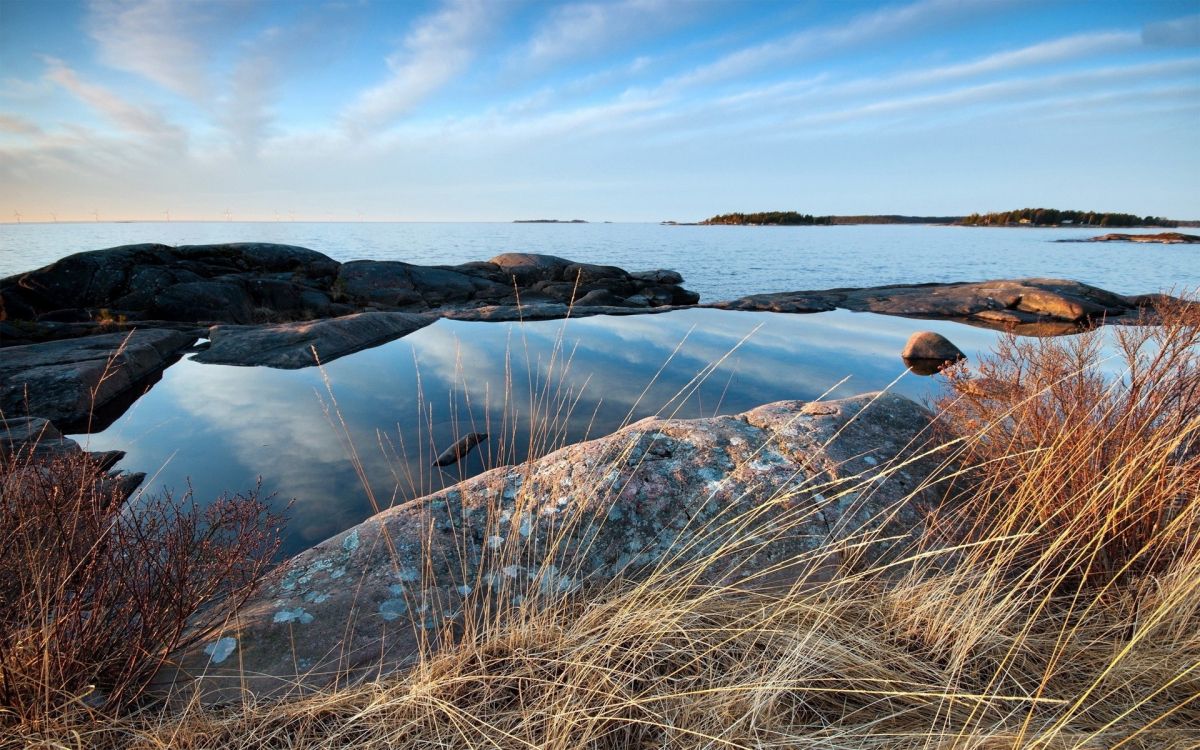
1096 461
1056 604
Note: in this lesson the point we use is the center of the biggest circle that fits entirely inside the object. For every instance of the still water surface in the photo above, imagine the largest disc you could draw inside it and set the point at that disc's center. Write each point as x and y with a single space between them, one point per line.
221 428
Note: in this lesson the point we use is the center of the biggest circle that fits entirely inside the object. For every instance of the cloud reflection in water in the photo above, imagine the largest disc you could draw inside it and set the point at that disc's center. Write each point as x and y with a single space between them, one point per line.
223 427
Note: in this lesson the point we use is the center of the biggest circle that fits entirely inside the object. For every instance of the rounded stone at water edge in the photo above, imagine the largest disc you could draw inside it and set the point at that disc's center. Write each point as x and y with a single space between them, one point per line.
927 352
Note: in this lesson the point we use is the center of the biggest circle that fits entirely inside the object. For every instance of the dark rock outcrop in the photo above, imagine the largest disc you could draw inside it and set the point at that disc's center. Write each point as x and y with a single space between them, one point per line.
291 345
195 283
994 304
34 437
509 279
659 493
28 442
72 381
256 283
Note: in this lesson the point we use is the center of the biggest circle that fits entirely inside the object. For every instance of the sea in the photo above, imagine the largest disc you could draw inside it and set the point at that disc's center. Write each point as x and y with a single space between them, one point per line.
294 436
719 262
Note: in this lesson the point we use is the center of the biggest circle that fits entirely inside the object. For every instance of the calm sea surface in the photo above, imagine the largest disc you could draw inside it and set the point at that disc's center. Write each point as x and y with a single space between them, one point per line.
717 262
536 386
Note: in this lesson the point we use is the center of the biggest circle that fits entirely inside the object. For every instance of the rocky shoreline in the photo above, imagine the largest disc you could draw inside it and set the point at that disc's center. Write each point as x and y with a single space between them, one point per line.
83 337
90 332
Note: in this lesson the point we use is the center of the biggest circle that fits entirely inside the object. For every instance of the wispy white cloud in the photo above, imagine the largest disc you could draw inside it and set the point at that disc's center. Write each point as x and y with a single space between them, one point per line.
1011 92
1068 48
247 109
18 125
825 88
127 116
1179 32
247 115
155 39
438 49
589 28
861 29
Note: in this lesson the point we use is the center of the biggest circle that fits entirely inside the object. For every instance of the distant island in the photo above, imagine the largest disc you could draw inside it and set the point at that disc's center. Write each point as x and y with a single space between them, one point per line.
1050 217
796 219
549 221
1036 217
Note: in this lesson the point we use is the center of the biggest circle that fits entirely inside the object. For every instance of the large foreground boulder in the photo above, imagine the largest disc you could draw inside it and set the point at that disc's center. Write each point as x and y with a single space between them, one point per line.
734 500
73 380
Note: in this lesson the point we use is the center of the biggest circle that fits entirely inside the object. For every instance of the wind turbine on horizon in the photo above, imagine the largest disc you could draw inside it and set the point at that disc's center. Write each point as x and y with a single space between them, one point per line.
18 215
54 217
168 214
96 215
228 215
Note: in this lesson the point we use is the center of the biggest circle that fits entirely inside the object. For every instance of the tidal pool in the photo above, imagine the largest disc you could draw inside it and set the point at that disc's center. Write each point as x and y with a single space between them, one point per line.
532 386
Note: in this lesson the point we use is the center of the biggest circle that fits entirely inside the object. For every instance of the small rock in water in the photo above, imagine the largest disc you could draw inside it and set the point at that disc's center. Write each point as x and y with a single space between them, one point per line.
927 352
459 450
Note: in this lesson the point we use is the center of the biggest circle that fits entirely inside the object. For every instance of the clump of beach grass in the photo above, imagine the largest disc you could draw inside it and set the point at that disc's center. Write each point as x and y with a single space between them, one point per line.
1054 602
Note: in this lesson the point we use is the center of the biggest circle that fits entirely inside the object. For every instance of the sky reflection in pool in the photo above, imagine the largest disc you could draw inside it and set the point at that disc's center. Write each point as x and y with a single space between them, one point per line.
221 428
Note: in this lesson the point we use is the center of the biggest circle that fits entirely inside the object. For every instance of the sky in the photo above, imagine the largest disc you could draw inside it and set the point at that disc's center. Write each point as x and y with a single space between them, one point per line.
619 110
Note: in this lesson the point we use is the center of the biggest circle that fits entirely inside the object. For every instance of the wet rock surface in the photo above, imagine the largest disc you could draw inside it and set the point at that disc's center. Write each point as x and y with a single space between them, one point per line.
73 381
1003 304
655 495
303 344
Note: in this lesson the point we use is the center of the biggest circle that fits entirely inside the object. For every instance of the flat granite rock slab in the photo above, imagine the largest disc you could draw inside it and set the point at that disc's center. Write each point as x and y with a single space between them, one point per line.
658 494
66 380
291 345
994 304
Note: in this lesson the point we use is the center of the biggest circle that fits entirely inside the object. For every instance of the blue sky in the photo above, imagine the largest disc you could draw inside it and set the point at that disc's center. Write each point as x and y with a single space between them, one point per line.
624 110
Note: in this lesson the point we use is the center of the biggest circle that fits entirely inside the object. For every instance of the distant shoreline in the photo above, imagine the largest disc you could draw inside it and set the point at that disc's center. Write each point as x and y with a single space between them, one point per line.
1028 217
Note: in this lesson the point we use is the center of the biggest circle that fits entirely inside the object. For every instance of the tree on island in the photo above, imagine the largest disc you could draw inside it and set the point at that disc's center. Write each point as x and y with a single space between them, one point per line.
769 218
1050 217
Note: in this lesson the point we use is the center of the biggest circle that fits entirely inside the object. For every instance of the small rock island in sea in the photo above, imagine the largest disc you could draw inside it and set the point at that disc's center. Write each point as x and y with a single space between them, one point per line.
1162 238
